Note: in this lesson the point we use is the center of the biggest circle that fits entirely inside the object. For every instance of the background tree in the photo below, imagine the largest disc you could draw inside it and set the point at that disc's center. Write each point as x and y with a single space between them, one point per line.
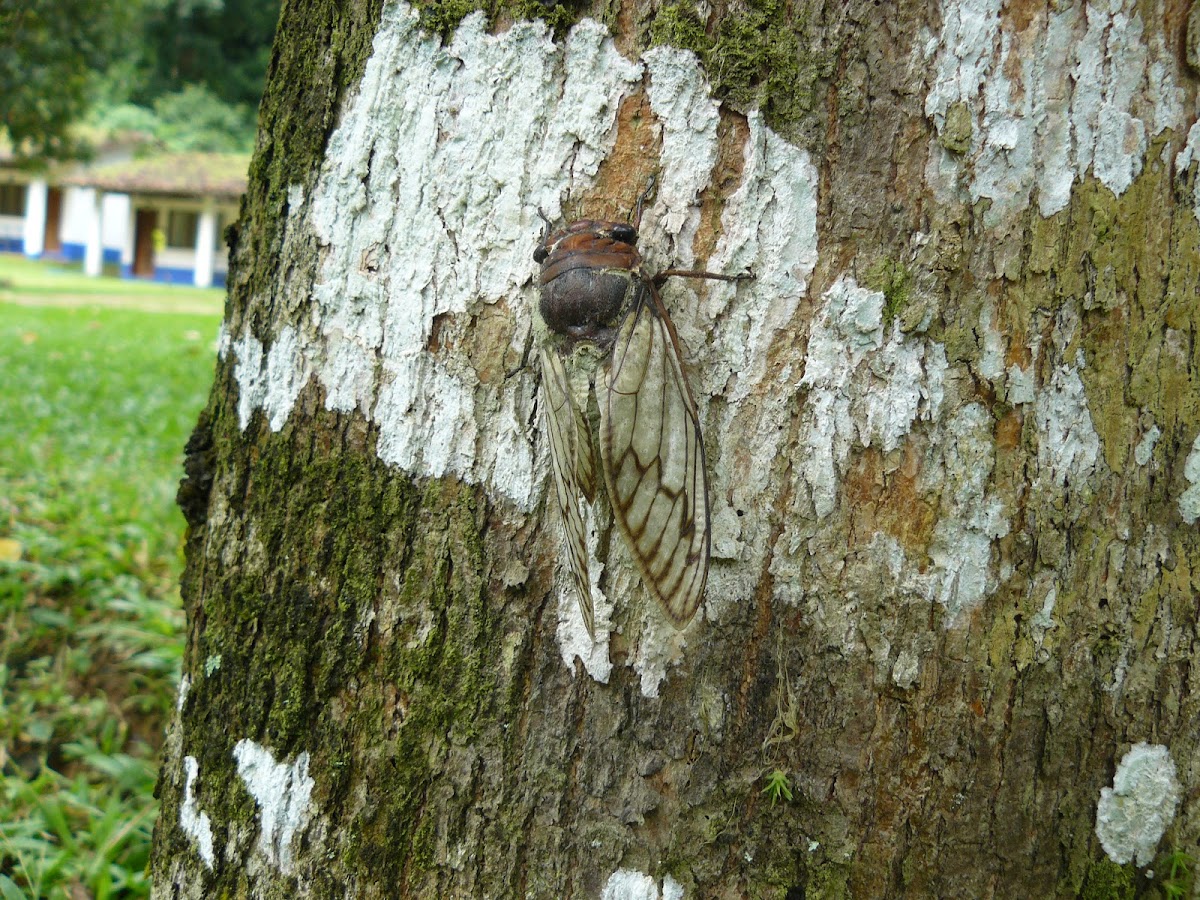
222 45
947 643
193 77
186 72
48 50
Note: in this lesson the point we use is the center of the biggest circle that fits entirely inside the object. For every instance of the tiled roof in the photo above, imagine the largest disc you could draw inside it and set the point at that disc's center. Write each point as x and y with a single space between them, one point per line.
176 174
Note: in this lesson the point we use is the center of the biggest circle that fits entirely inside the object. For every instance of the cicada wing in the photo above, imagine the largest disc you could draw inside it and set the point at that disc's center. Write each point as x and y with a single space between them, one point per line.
567 452
653 458
585 450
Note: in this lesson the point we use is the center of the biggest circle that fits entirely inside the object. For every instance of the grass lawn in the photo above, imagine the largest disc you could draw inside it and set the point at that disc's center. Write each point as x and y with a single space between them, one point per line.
99 395
25 281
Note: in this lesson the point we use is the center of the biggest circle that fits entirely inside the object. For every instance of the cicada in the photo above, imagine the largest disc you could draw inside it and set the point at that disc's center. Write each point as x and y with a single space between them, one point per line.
613 381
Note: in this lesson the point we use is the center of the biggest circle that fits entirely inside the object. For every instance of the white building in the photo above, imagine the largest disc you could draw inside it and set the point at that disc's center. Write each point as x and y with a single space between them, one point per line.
53 220
160 218
177 208
40 215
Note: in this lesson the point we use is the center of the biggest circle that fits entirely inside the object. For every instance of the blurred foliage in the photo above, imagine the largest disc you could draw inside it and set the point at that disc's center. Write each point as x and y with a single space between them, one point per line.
186 74
49 52
99 402
196 119
190 119
223 45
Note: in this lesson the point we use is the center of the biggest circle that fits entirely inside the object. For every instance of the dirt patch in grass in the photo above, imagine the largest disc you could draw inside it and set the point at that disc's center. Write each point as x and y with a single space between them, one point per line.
140 304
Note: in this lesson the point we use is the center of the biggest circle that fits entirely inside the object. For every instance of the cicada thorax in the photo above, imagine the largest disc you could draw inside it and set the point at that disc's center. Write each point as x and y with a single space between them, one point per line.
588 268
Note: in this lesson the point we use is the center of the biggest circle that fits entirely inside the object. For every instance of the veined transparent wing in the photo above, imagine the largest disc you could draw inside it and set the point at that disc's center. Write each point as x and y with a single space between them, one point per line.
653 458
571 459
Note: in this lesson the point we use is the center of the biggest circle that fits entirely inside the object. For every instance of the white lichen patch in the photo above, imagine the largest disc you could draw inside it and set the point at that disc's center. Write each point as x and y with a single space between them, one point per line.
268 379
1189 500
1144 450
248 371
629 884
1043 622
864 387
195 823
991 361
1022 386
960 570
1078 90
283 792
768 226
867 385
1068 445
970 520
906 669
681 100
661 646
1133 814
964 55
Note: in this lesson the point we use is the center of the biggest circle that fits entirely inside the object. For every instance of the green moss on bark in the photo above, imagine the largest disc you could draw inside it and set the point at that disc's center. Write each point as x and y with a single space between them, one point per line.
1131 273
322 549
1108 881
894 280
761 55
678 25
442 17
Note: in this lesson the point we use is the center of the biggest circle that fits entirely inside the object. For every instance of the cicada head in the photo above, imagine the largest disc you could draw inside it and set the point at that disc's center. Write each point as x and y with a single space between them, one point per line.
587 268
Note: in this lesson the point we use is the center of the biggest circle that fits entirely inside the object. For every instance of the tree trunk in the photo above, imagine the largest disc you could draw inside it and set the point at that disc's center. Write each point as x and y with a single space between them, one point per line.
952 436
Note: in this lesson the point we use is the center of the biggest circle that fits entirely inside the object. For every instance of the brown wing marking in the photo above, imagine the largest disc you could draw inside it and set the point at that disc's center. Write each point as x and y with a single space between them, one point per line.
653 458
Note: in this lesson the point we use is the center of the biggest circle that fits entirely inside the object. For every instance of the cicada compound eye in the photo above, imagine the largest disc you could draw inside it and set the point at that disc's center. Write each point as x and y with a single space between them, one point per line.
625 233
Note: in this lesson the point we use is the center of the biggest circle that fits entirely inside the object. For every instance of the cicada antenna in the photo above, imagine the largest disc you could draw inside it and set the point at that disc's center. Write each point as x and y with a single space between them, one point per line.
641 203
540 252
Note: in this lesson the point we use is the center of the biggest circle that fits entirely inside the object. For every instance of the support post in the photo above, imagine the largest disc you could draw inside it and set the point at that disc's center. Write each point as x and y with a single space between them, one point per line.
206 237
93 257
34 236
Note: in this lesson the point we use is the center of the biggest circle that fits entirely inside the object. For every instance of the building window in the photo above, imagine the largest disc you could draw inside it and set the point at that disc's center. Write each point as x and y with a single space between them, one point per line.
181 228
12 199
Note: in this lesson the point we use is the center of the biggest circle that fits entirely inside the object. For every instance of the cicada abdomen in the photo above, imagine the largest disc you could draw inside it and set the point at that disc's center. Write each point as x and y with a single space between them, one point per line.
651 451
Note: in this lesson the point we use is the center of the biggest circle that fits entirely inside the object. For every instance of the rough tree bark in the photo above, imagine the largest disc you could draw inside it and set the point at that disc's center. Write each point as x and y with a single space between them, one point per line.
952 432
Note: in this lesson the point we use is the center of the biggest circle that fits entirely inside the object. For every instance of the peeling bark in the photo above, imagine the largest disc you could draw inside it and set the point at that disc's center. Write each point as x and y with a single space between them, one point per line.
951 430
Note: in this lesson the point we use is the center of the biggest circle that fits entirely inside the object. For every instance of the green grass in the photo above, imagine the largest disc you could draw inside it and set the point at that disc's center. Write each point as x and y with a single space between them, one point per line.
33 279
96 405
